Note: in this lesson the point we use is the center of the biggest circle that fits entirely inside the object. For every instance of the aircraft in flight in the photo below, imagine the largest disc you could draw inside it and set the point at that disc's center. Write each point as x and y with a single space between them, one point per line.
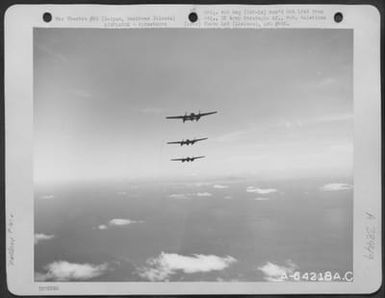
191 116
187 159
187 141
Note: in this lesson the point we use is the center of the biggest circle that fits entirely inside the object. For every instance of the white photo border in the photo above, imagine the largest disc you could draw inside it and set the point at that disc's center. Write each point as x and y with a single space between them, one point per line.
19 23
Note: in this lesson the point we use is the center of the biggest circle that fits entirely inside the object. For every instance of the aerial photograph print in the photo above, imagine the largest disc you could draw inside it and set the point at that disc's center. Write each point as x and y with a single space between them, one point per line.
180 155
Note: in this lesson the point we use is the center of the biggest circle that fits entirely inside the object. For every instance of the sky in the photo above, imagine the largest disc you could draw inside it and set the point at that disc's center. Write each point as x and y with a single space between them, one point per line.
284 100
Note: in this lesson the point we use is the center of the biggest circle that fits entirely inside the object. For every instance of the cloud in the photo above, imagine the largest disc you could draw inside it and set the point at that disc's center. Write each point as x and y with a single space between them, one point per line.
189 196
47 197
65 271
204 194
102 227
123 222
228 197
336 187
41 237
161 268
117 222
121 193
262 199
261 191
199 184
274 272
179 196
219 186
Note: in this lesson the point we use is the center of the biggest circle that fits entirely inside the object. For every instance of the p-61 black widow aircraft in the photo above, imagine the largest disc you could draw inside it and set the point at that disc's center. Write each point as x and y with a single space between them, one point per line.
191 116
187 159
187 141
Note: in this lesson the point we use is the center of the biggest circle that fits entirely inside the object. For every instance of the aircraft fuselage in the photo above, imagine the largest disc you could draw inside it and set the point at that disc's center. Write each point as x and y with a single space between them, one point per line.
191 117
187 142
188 159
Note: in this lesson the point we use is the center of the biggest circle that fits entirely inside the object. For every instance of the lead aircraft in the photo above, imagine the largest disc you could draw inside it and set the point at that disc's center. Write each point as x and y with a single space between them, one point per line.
191 116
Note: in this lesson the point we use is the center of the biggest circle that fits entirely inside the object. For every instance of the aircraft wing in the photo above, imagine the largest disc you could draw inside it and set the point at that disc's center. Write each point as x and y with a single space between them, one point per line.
196 157
201 139
174 117
177 159
174 142
209 113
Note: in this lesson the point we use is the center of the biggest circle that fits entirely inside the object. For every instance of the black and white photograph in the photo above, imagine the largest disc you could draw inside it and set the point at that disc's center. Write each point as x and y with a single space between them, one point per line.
192 149
179 155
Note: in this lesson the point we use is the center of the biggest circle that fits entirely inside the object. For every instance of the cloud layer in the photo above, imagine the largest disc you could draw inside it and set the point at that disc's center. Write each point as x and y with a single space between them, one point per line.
274 272
261 191
118 222
161 268
188 196
123 222
204 194
178 196
219 186
65 271
41 237
336 187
